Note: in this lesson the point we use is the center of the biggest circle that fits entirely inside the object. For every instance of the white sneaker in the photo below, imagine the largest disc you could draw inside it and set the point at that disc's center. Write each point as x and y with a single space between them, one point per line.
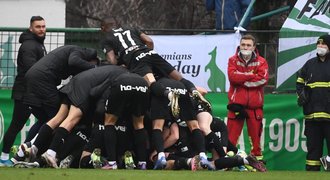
195 163
207 164
23 164
51 161
325 163
66 162
23 148
30 154
160 163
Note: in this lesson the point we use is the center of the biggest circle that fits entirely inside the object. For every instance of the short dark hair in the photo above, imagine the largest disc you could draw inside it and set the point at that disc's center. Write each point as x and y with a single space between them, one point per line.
249 37
36 18
106 20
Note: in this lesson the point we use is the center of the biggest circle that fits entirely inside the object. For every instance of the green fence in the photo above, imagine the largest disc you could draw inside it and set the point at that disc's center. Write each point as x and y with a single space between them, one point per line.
9 46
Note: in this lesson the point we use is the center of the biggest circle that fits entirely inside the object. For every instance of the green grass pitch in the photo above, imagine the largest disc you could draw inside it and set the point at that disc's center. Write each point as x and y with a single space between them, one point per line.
95 174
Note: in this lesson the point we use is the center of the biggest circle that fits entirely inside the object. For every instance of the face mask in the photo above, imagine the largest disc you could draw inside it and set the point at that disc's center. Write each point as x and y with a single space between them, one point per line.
246 52
321 51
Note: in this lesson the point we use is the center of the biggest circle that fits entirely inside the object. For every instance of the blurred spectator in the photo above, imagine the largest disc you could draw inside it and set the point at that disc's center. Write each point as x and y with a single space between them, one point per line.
229 13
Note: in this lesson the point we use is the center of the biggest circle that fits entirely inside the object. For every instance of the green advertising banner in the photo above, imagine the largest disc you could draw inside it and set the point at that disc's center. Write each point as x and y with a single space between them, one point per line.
6 111
308 20
283 141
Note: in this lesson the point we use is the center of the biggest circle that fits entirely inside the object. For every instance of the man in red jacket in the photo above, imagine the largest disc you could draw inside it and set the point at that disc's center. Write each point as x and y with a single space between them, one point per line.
248 74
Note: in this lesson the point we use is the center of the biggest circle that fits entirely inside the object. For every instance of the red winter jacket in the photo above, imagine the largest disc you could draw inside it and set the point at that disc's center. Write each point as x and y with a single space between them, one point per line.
247 80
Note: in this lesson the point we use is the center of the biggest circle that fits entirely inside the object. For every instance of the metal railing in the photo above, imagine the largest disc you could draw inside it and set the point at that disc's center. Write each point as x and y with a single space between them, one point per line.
9 45
89 37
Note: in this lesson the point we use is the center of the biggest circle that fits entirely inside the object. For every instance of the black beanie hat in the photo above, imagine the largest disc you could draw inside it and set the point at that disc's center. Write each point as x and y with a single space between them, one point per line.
326 39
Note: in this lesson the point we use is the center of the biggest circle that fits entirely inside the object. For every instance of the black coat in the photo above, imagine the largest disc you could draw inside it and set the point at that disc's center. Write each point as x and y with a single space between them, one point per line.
314 78
32 49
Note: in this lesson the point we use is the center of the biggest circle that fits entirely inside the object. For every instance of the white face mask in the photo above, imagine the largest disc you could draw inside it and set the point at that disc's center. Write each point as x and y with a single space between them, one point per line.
246 52
321 51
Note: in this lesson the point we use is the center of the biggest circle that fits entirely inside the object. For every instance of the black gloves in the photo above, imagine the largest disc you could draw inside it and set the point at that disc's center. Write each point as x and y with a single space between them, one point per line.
239 111
303 97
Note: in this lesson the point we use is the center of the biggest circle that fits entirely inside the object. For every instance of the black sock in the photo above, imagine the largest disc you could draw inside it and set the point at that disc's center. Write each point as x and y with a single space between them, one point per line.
110 138
228 162
86 163
140 143
44 137
59 139
34 130
231 147
158 89
73 145
97 136
216 144
157 140
188 84
181 163
198 140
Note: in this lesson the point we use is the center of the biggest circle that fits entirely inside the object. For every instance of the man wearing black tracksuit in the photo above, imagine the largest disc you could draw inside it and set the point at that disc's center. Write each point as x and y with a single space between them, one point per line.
31 50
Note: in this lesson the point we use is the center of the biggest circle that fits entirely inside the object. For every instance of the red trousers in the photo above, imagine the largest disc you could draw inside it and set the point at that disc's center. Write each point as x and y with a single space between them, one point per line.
254 126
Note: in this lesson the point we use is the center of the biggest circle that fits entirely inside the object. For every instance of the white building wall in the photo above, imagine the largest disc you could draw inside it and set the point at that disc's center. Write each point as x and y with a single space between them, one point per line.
17 13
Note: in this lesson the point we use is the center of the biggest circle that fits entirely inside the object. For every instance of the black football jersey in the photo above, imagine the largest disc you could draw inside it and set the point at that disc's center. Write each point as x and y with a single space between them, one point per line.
123 41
